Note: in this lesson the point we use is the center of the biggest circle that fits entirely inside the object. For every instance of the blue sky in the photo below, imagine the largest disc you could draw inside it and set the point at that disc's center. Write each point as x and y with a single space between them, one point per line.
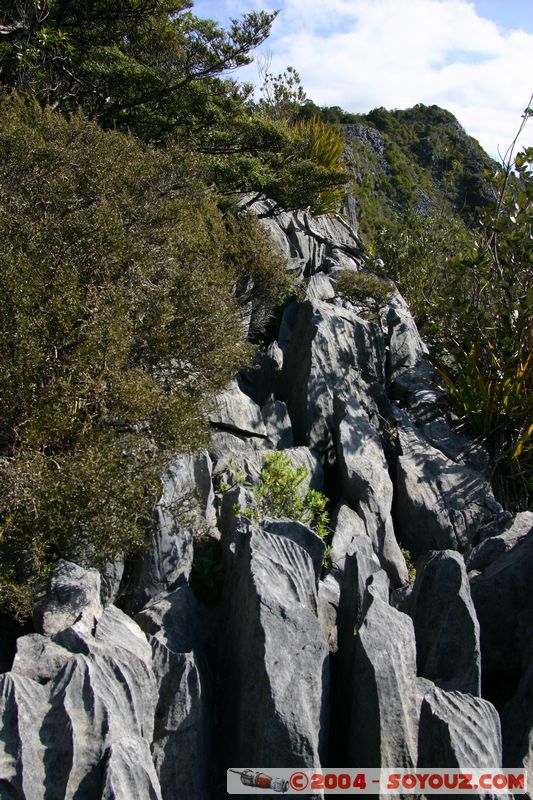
473 57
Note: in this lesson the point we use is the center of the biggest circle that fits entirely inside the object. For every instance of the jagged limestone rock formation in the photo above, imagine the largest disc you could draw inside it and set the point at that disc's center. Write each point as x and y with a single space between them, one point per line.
380 686
187 486
446 626
332 352
457 730
440 503
73 596
365 481
504 605
67 705
348 527
288 664
275 695
495 546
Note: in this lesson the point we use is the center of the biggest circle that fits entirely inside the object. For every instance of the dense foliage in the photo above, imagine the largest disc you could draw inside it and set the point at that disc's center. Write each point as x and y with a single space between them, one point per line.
490 337
363 289
144 65
120 282
152 68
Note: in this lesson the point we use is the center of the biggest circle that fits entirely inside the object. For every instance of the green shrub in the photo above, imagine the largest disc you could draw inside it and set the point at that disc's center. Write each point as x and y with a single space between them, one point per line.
278 494
411 569
363 288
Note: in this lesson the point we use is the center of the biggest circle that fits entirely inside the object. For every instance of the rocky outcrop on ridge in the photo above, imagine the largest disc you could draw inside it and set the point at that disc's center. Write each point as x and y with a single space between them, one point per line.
243 642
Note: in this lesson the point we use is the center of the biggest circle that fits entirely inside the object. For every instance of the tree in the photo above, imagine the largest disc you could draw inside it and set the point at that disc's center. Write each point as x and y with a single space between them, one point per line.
152 68
282 95
141 65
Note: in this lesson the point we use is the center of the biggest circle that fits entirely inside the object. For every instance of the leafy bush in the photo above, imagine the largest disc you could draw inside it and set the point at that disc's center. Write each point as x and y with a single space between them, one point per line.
261 278
279 495
148 67
491 380
417 252
118 277
363 288
323 150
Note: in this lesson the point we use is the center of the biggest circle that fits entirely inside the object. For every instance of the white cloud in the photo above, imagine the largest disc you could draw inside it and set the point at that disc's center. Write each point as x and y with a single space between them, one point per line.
360 54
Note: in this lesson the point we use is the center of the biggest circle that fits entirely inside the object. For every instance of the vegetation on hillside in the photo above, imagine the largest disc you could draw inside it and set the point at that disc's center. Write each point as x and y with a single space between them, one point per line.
120 281
153 69
127 265
453 230
490 333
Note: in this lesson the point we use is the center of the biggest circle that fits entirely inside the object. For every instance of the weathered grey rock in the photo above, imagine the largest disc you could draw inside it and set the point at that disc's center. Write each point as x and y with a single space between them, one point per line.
348 526
416 390
181 742
406 348
23 706
495 546
39 658
401 598
379 689
311 244
129 771
286 328
235 411
278 424
174 620
378 585
365 481
275 227
328 603
301 535
68 701
275 352
275 658
187 487
446 626
439 504
331 352
111 575
457 730
319 287
456 447
332 228
73 594
358 569
231 452
502 595
113 663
